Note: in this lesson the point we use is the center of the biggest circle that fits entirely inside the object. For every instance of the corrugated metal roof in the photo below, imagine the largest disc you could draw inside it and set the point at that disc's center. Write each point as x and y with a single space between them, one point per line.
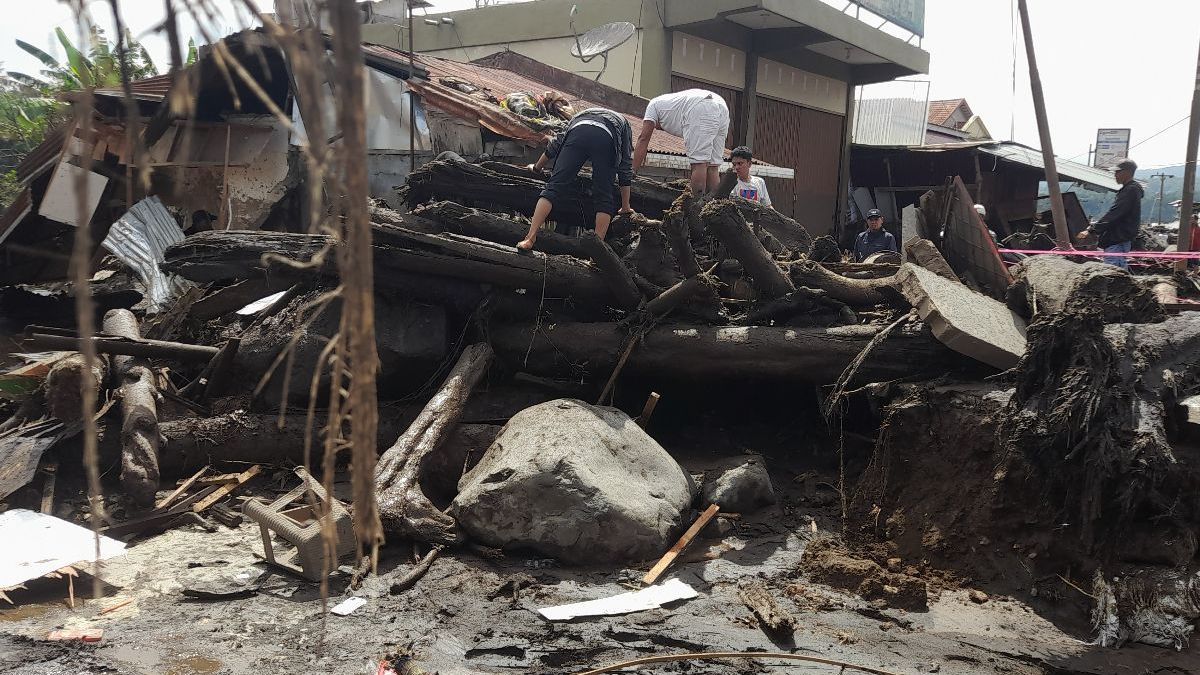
1009 151
1098 179
150 89
139 239
503 82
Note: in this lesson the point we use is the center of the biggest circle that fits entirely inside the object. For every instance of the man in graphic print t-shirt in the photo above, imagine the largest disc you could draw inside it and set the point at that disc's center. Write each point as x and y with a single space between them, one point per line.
748 187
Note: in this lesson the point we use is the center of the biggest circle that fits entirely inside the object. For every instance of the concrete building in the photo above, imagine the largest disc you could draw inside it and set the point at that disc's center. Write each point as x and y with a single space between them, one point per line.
787 68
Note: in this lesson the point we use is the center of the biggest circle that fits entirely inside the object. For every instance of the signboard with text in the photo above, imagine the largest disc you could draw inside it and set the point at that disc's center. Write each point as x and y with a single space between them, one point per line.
908 14
1112 145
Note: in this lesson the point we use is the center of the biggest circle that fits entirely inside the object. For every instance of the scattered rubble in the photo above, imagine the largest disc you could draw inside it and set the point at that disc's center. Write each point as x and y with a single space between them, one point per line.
959 423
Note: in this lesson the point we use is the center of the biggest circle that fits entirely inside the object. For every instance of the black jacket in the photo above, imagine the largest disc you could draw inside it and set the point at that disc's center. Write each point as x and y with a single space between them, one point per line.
1124 218
621 132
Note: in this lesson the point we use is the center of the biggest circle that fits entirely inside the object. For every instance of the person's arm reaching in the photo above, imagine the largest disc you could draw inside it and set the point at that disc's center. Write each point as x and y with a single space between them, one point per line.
540 164
625 207
625 161
1122 205
643 145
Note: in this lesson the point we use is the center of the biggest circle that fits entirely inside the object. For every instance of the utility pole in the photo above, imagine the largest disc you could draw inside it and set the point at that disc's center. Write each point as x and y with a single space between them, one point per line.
1162 180
1189 174
1061 235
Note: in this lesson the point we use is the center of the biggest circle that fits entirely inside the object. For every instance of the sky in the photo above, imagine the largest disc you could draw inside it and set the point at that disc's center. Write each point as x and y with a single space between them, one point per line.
1103 63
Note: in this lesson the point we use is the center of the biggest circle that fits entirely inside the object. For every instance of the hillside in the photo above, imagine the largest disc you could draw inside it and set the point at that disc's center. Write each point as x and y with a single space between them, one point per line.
1096 203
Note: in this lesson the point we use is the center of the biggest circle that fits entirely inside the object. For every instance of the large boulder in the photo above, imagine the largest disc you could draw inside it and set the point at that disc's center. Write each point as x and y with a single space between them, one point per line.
578 482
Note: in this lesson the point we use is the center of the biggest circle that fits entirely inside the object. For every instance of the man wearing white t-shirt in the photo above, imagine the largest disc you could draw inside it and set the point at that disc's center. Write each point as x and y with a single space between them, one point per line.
748 187
701 118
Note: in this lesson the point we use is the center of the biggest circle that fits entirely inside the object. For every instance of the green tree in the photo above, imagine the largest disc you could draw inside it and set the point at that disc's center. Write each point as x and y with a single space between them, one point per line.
97 65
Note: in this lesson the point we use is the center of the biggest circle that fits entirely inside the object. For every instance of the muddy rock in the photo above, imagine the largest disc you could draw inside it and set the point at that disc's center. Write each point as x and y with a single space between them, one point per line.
830 563
741 488
581 483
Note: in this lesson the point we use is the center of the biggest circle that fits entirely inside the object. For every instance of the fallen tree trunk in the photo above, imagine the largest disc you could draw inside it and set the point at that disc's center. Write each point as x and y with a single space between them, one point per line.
191 443
1090 418
65 382
815 355
675 222
1047 284
789 233
462 181
722 218
459 219
616 274
678 295
139 413
403 505
399 254
802 299
651 257
854 292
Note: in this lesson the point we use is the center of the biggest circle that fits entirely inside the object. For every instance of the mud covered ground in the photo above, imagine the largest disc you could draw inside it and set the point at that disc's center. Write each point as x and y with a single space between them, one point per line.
476 613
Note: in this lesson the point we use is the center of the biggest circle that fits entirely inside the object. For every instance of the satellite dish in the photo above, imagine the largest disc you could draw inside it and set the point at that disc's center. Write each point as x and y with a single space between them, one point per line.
600 40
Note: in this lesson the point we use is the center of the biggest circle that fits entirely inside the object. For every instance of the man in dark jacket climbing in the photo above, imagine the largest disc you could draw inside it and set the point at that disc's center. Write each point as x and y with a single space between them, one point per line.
601 136
874 239
1118 228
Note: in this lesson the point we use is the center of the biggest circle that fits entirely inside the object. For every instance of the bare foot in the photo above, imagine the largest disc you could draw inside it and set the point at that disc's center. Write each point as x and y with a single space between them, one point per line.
525 245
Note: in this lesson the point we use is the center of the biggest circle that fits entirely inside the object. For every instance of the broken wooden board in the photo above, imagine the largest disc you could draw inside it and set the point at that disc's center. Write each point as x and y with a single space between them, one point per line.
226 489
670 556
968 322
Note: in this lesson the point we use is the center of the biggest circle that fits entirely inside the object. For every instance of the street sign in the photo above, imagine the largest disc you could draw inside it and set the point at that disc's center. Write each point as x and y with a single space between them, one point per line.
1112 145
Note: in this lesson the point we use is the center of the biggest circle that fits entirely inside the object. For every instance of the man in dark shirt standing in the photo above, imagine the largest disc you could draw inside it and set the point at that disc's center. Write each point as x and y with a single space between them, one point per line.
1117 229
874 239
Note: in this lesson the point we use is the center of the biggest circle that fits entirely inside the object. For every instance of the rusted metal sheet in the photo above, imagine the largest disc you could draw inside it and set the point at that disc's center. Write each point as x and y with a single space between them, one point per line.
491 117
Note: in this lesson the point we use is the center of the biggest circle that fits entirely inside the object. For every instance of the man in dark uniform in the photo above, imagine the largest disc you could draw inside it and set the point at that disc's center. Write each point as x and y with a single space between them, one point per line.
1119 227
602 137
874 239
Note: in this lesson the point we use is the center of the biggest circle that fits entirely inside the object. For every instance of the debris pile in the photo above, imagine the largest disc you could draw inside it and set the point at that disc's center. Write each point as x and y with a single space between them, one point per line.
1042 409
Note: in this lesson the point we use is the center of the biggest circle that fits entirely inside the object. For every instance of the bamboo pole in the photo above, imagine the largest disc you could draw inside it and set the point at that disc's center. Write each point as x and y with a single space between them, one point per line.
1189 174
1061 235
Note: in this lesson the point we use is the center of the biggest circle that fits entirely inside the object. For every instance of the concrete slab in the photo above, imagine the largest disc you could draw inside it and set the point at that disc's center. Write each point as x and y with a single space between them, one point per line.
970 323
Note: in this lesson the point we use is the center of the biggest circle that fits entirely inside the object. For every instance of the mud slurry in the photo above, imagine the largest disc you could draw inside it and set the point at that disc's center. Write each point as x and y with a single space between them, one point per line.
476 613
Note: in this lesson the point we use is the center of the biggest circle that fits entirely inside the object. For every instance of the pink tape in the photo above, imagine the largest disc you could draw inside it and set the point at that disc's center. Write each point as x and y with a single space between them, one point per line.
1177 255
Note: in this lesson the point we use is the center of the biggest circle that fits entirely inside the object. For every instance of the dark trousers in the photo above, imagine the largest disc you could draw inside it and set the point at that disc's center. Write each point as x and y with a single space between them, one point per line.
585 143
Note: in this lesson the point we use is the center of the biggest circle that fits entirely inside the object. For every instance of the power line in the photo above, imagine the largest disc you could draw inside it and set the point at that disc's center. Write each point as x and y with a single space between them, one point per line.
1153 135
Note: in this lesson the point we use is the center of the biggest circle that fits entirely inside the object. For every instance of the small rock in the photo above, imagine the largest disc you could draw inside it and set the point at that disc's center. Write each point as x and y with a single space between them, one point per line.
894 564
741 489
978 597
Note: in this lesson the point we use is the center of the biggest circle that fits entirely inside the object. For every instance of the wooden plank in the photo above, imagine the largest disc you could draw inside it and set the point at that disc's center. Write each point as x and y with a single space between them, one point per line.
670 556
48 490
219 479
183 487
224 490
